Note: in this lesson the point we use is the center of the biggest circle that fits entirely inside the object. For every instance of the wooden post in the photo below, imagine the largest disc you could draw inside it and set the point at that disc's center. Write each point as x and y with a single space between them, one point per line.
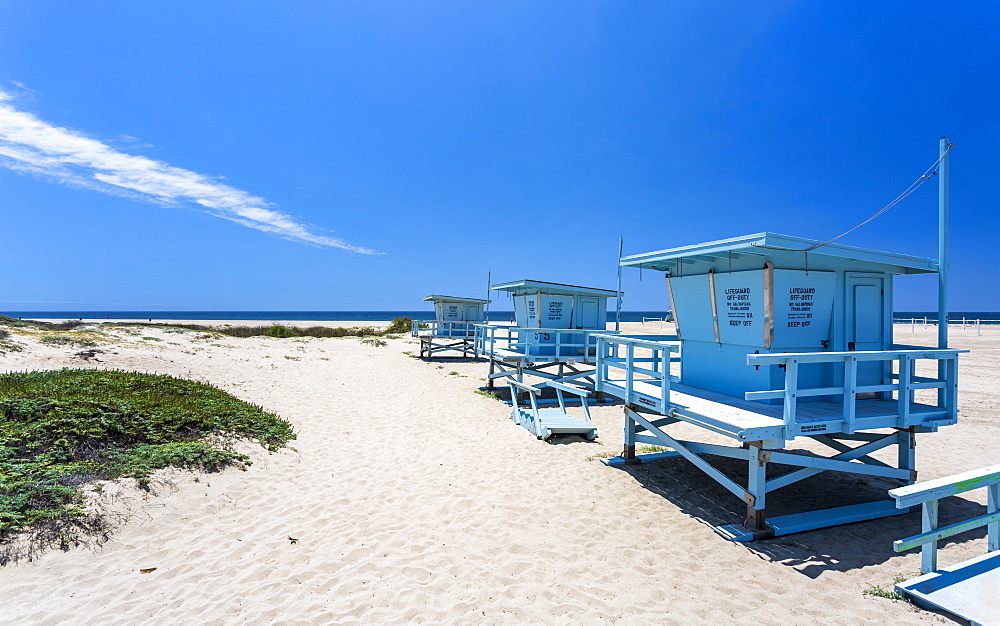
907 453
756 486
629 452
928 523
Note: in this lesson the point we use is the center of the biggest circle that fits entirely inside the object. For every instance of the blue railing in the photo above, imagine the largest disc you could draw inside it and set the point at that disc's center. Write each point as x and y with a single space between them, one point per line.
443 329
652 367
927 495
906 384
538 344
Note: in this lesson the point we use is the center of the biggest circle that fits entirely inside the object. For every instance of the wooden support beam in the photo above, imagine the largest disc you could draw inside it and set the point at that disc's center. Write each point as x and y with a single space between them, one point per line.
855 453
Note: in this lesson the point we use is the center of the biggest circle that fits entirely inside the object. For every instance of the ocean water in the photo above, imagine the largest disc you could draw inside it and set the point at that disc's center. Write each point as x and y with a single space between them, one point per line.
269 316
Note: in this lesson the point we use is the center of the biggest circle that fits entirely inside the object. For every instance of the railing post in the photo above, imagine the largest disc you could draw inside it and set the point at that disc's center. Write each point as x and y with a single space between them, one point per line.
904 397
534 412
850 393
629 374
928 523
600 371
791 390
992 506
665 381
951 386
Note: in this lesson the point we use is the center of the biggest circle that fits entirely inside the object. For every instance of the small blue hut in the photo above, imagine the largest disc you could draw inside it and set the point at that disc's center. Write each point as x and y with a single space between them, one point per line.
452 328
554 326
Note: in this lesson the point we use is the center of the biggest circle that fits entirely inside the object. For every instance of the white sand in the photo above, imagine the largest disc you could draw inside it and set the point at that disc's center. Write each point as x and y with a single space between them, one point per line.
414 499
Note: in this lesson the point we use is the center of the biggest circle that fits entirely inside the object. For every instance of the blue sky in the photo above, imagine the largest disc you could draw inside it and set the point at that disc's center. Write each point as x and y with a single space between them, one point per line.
361 155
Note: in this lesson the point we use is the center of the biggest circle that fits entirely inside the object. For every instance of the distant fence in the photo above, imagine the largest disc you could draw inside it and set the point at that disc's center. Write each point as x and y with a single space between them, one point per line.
669 317
965 323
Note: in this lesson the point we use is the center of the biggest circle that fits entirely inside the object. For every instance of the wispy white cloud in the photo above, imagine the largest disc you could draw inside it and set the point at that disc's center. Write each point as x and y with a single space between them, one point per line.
32 146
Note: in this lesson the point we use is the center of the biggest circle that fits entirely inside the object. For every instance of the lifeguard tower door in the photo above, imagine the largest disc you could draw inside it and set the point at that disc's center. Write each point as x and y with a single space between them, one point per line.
472 313
587 314
865 325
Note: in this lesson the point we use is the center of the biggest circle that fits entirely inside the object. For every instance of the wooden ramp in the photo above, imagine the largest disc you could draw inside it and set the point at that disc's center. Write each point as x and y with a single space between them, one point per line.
970 589
544 423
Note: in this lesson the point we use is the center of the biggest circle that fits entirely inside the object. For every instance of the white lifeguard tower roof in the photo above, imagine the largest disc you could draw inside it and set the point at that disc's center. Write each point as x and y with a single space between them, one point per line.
439 298
556 289
784 251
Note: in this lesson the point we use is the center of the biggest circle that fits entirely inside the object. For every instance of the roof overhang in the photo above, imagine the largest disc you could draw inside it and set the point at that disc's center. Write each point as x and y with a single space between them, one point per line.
784 251
437 298
558 289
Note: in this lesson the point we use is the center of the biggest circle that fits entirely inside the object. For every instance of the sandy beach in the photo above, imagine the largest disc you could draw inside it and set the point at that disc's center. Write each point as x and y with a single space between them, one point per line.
414 499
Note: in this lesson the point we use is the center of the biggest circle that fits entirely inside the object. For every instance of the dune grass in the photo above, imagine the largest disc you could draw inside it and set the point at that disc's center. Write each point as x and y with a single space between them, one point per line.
63 429
16 323
399 325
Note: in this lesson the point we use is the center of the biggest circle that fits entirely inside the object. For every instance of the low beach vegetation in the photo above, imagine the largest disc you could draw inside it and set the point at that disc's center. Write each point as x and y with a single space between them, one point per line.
399 325
489 394
10 346
62 430
16 323
281 332
64 340
889 594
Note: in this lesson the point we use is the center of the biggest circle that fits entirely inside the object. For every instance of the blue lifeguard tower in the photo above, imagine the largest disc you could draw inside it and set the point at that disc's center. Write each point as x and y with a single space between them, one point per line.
553 338
554 328
780 337
452 329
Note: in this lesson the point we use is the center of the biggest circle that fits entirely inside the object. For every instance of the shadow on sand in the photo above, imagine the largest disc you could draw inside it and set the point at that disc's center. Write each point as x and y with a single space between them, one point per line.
839 548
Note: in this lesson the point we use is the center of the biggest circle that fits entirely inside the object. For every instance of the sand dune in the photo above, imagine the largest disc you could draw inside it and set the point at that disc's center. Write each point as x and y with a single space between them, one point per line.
413 499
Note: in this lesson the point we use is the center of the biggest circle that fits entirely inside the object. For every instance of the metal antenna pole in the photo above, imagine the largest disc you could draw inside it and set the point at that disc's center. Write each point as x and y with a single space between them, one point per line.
618 308
943 263
489 279
943 246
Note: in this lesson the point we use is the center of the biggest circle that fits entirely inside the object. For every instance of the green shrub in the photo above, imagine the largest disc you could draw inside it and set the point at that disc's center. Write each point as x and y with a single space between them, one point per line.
62 429
281 332
399 326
